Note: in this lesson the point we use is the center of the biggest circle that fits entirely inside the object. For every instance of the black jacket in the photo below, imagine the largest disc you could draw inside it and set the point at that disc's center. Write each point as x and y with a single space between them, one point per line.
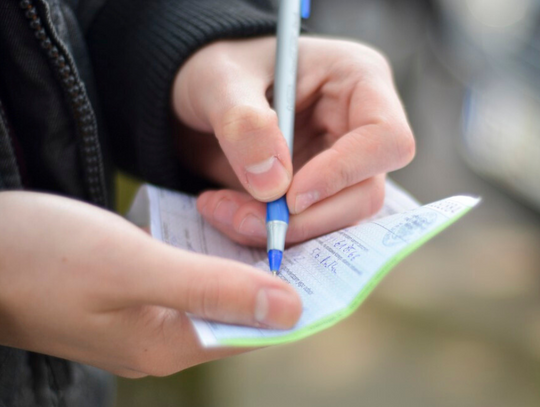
85 87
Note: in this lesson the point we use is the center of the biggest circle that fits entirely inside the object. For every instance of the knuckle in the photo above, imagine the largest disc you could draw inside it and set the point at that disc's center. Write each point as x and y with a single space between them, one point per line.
400 145
370 58
358 61
405 147
379 60
211 299
341 174
213 64
242 121
344 177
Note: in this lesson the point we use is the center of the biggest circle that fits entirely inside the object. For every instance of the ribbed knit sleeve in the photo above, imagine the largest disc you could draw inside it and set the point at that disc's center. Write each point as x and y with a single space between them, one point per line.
137 47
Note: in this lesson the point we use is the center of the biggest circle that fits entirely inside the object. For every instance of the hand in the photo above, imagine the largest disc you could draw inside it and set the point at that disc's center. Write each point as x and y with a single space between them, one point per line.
350 130
83 284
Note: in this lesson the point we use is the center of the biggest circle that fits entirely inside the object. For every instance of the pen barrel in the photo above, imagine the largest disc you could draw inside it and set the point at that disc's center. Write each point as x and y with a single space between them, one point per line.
277 210
277 232
277 222
288 32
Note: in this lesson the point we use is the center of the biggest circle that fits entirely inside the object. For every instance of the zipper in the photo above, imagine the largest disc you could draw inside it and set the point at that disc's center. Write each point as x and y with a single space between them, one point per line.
8 158
83 114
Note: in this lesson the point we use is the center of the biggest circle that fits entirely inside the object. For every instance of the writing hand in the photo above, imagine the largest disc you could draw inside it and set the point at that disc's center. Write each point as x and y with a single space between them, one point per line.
350 130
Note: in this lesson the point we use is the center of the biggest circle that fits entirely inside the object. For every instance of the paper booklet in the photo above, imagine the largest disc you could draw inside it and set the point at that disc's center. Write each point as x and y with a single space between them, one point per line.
333 274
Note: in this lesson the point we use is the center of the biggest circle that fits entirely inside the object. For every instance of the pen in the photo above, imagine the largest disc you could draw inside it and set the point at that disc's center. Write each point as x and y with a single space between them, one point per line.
288 31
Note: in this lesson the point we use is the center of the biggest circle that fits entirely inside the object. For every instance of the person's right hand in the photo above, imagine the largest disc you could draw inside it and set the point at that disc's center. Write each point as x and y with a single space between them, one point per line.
83 284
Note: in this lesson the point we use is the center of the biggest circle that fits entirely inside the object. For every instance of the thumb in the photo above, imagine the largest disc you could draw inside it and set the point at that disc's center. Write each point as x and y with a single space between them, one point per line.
233 105
212 288
222 88
249 135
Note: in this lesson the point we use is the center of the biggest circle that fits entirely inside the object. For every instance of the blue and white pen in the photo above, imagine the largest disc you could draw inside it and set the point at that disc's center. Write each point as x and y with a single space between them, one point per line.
288 31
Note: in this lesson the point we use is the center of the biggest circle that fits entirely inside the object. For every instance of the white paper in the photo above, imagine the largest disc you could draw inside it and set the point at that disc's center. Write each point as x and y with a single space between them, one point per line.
332 274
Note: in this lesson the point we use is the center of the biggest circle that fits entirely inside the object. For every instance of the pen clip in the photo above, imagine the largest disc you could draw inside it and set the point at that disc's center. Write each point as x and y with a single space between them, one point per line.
306 8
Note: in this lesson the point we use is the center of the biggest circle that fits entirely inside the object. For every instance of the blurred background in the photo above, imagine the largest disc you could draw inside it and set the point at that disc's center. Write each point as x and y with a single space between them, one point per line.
458 322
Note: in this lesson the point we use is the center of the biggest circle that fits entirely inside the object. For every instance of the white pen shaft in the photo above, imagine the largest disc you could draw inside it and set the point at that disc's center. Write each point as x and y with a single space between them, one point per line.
288 32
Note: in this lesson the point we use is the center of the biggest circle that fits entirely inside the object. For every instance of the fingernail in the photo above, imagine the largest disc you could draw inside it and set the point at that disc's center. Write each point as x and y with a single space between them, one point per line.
252 226
276 308
267 179
305 200
224 211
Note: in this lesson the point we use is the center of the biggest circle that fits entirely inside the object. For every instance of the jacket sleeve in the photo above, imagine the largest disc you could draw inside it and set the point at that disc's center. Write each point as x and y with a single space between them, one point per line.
137 46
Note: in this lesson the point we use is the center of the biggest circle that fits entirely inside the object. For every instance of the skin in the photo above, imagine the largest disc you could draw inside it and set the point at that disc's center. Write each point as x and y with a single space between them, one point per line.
83 284
350 130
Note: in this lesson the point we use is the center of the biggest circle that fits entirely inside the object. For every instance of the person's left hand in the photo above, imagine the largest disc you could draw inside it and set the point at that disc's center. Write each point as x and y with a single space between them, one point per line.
350 130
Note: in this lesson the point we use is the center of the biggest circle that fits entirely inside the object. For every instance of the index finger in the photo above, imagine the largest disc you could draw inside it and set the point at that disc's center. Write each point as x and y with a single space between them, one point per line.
379 140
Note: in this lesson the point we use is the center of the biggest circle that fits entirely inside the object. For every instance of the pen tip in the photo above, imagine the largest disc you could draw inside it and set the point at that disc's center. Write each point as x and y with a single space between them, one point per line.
274 260
274 273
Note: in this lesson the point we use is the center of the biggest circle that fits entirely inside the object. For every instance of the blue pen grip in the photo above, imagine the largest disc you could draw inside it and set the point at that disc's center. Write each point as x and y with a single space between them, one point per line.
306 8
277 210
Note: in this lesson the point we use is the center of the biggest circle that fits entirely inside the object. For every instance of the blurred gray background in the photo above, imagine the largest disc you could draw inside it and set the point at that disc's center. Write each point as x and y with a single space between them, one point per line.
458 322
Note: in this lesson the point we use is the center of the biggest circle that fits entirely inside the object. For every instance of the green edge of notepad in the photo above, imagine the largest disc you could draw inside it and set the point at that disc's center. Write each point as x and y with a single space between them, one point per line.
338 316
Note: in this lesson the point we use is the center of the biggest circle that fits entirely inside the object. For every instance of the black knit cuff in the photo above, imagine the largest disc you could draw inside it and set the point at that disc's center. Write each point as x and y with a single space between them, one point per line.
137 47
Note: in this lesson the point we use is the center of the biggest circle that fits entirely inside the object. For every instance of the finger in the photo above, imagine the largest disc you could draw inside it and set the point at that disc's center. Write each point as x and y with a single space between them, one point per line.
248 133
232 101
221 208
380 141
342 210
208 287
242 218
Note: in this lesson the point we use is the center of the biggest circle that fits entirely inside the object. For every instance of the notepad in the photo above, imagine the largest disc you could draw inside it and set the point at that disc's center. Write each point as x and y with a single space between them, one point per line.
333 273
